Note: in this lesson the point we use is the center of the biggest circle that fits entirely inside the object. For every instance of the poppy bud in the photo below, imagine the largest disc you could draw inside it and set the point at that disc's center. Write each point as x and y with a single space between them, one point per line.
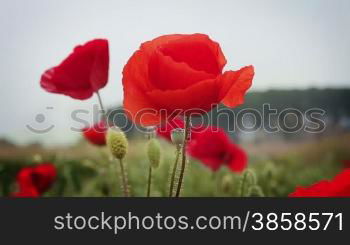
255 191
117 142
250 177
269 171
178 136
37 158
153 152
247 180
226 183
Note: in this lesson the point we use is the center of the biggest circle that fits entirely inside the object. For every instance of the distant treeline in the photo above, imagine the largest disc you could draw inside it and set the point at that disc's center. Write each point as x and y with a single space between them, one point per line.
335 103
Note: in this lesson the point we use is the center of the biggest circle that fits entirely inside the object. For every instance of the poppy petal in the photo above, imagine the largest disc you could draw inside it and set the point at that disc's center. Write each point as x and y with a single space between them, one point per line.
234 85
96 134
200 97
198 51
139 109
150 46
239 159
82 73
167 74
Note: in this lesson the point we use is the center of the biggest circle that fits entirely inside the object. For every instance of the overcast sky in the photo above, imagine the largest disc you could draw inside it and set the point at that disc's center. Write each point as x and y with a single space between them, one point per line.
292 44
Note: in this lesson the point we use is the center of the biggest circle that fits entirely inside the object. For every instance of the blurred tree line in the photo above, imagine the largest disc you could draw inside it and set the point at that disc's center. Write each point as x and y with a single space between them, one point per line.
334 102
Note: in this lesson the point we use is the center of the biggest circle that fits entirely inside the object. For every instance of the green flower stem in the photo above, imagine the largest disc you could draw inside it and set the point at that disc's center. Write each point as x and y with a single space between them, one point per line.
149 181
243 183
125 185
104 113
173 174
183 165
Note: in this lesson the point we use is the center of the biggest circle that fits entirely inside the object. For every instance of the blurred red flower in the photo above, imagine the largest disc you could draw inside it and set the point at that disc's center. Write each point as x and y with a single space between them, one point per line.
214 148
96 134
338 187
346 163
82 73
35 180
180 72
29 191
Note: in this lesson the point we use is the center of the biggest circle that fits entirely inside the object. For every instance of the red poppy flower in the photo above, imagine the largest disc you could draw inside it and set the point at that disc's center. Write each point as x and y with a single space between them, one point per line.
34 181
214 148
177 73
338 187
82 73
96 134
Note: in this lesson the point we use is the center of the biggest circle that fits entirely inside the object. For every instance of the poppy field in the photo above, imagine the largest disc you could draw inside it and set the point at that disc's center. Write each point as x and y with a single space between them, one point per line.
86 170
169 82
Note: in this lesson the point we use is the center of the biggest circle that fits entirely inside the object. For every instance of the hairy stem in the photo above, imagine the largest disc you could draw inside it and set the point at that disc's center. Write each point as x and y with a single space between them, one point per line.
172 180
104 113
243 185
183 164
124 179
149 181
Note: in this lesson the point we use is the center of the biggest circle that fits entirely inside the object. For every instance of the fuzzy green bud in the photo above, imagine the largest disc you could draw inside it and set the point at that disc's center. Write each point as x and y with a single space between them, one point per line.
178 136
153 152
255 191
247 180
227 183
250 176
269 171
37 158
117 142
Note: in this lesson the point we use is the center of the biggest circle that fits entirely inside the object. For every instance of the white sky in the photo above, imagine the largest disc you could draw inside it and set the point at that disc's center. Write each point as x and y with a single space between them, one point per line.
292 44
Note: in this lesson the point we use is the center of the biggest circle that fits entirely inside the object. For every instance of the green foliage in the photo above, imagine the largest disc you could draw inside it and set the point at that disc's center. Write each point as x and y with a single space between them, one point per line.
100 176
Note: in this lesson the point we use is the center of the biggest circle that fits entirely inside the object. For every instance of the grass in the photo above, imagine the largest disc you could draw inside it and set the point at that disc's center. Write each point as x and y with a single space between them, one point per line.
85 170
